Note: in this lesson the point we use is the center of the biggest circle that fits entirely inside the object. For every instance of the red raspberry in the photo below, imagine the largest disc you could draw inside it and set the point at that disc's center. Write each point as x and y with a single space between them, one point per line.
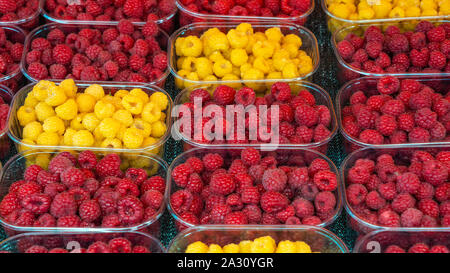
389 219
133 8
222 183
408 183
109 166
40 44
429 207
325 202
402 202
195 183
153 199
371 137
303 208
218 213
127 187
437 60
386 125
298 177
406 122
425 118
250 156
73 177
285 214
398 43
281 91
57 71
439 249
63 204
89 211
224 95
160 61
375 201
53 189
35 248
37 203
411 218
212 161
120 245
436 34
236 218
435 172
87 160
356 194
9 203
130 210
274 180
221 6
325 180
388 85
62 54
37 70
32 172
138 176
387 190
346 49
28 188
272 201
45 220
306 115
419 58
253 213
373 49
195 163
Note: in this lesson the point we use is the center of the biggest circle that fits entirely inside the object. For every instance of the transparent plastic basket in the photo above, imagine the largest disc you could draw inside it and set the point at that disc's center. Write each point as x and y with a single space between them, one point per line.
378 241
15 130
167 23
300 154
346 72
15 167
322 98
399 153
7 96
309 45
367 85
16 35
28 22
319 239
188 17
43 30
335 22
73 241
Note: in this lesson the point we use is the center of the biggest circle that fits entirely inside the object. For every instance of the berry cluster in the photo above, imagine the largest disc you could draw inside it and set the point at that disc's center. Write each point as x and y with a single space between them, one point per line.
263 8
418 248
123 53
4 111
395 111
426 49
115 245
83 192
11 51
13 10
250 187
109 10
301 120
411 189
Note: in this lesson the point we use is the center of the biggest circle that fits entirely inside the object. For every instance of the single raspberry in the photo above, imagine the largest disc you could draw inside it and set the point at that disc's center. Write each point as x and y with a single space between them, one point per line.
73 177
9 203
35 248
306 115
68 221
32 172
160 61
389 219
109 166
28 188
89 211
325 202
37 203
222 183
388 85
398 43
120 245
346 49
37 70
356 194
402 202
236 218
373 49
45 220
298 177
212 161
429 207
437 60
436 34
375 201
303 208
325 180
127 187
370 136
180 174
281 91
154 183
439 249
394 249
152 198
63 204
419 135
130 210
62 54
408 183
272 201
419 248
435 172
224 95
419 58
250 156
274 180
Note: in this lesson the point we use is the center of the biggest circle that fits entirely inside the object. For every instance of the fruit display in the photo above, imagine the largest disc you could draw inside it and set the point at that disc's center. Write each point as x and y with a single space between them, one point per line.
404 241
88 242
264 244
4 108
394 111
125 52
344 13
231 53
305 115
369 50
22 13
160 11
48 114
398 188
11 51
82 190
249 186
194 11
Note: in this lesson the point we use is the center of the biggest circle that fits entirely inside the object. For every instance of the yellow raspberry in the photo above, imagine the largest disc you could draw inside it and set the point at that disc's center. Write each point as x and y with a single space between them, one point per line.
151 112
274 34
160 99
178 45
428 5
48 139
366 14
234 81
261 64
412 12
263 49
222 67
69 87
397 12
40 90
112 143
292 39
340 10
121 93
96 91
124 117
382 9
43 160
54 125
302 247
76 123
237 39
138 92
191 79
43 111
133 104
104 110
25 115
429 12
68 136
142 125
444 7
203 67
251 42
264 244
67 110
292 49
32 130
245 28
188 64
83 138
191 46
109 127
245 246
98 136
217 41
90 121
85 102
30 100
274 76
238 56
245 67
290 71
197 247
210 78
132 138
286 247
215 56
280 58
159 128
148 142
231 248
214 248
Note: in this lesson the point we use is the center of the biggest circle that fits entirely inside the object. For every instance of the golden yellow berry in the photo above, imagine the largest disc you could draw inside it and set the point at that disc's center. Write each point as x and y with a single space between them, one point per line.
191 46
96 91
160 99
109 127
238 56
151 112
90 121
132 138
264 244
32 130
263 49
245 246
302 247
83 138
85 102
292 39
69 87
214 248
290 71
104 110
67 110
237 39
54 125
43 111
203 67
30 101
197 247
144 126
133 104
231 248
274 34
121 93
112 143
40 90
222 67
25 115
261 64
48 139
124 117
68 136
43 160
158 128
286 247
76 123
140 94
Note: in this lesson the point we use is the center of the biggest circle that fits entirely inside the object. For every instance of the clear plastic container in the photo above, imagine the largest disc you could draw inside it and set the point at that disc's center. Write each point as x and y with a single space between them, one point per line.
357 222
378 241
309 45
367 85
335 22
73 241
167 23
322 98
43 30
7 96
15 167
300 155
16 35
319 239
188 17
28 22
15 130
346 72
